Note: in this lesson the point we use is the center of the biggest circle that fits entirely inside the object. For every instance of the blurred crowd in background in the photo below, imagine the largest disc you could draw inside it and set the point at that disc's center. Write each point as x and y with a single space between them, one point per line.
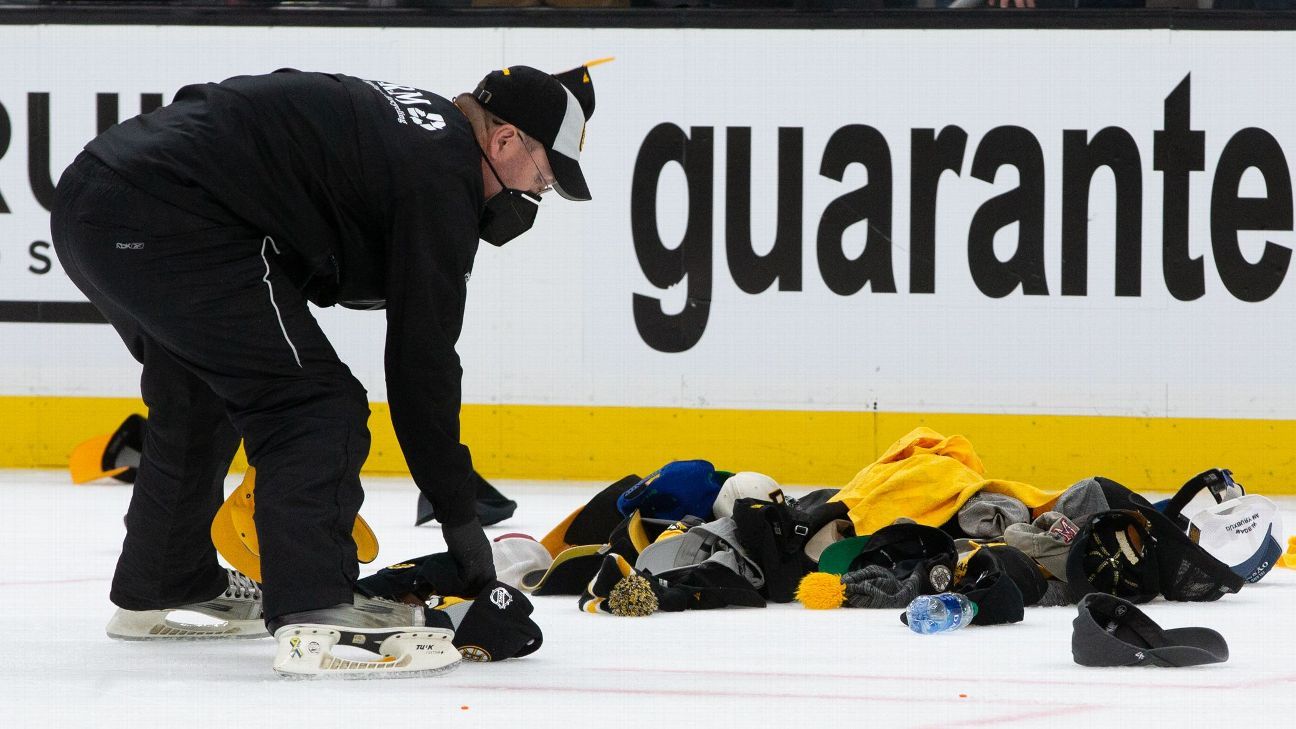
737 5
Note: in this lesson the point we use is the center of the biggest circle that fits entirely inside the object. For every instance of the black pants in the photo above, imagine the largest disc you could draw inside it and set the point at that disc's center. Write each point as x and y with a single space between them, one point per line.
229 350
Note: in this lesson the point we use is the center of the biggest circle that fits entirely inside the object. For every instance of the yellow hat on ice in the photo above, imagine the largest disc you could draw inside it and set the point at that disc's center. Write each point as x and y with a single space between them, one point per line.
233 531
111 455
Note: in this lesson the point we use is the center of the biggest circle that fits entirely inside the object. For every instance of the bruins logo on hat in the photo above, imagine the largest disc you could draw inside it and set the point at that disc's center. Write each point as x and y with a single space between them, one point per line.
475 653
233 532
940 577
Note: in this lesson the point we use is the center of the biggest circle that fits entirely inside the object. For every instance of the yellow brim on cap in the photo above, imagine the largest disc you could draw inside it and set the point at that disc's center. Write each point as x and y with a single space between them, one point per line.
556 540
1288 559
230 531
233 531
86 462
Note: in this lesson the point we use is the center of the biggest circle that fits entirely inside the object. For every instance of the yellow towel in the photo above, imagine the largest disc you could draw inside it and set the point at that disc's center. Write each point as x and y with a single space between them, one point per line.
926 477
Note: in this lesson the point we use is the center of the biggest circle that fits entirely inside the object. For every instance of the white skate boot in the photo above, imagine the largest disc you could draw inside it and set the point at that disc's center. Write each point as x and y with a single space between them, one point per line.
237 610
394 632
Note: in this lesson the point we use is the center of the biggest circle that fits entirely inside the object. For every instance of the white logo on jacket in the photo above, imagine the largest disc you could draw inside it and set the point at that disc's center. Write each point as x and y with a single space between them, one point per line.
427 120
406 100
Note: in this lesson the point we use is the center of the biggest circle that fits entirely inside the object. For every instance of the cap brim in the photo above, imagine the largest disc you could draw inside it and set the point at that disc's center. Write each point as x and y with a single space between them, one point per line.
233 536
425 511
837 557
571 570
569 181
1109 631
86 463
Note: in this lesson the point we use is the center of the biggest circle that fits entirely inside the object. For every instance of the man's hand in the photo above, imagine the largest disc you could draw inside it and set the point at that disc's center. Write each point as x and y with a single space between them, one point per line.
472 552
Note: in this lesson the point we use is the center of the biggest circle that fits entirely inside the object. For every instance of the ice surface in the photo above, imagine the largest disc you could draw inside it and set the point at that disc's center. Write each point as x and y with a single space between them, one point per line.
780 666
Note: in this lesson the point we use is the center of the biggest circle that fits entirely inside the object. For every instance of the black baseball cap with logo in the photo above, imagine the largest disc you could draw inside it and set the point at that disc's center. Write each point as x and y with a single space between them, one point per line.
1115 554
550 108
1109 631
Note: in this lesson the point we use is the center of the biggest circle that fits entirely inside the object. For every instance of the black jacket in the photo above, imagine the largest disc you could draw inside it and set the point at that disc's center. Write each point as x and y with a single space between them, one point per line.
372 191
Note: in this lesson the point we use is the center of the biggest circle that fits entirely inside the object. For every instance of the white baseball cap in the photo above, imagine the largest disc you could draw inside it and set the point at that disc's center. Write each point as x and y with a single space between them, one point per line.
742 485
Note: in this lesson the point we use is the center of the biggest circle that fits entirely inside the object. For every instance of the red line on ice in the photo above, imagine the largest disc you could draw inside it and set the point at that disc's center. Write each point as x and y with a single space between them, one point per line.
720 693
957 679
1001 719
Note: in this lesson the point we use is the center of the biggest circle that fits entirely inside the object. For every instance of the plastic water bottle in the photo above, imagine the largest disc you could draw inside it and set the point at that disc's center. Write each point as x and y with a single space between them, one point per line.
939 613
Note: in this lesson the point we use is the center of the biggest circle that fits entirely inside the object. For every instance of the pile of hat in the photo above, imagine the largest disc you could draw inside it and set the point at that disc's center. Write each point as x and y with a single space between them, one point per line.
687 536
691 537
1096 537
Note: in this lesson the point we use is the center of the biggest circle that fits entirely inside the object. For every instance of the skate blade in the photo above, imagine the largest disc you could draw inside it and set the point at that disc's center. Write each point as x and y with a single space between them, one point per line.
148 625
366 675
305 652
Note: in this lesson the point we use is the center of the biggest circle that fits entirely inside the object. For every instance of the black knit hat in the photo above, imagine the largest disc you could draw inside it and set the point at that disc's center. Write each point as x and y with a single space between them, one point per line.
552 109
1109 631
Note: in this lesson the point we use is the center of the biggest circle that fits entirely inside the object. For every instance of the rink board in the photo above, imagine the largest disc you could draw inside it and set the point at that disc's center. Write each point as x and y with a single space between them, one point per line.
802 244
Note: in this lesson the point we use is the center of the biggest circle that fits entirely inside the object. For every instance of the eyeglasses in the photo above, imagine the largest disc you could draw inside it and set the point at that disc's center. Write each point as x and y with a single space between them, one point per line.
546 183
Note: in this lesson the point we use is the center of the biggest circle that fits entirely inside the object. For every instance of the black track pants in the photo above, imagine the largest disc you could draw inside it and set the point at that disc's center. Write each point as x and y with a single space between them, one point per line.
229 350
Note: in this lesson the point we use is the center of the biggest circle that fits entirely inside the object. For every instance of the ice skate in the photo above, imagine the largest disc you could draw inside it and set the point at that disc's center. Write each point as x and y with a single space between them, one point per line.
237 610
394 632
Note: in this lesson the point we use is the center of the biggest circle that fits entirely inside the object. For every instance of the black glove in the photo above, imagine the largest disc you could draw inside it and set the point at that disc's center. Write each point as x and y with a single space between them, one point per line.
472 552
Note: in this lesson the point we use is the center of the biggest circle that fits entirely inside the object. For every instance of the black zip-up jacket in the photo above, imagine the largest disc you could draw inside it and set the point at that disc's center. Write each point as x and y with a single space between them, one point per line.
373 191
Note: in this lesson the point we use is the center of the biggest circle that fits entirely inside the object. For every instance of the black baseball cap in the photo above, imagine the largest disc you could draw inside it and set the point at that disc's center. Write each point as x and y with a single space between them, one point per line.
1109 631
904 549
550 108
986 581
493 627
592 523
492 506
1022 570
1114 553
1188 572
570 572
